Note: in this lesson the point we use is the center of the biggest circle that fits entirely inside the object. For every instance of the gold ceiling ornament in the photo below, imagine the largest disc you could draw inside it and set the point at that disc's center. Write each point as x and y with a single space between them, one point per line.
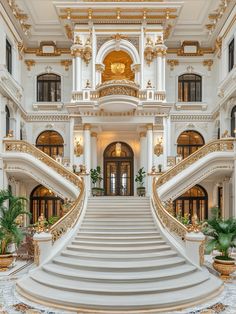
66 64
20 16
218 46
208 63
117 66
190 48
172 63
69 31
167 31
216 16
29 63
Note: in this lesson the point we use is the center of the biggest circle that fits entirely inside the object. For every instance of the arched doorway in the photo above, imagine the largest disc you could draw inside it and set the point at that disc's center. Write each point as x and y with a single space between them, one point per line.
43 200
233 126
188 142
7 112
193 201
118 169
51 143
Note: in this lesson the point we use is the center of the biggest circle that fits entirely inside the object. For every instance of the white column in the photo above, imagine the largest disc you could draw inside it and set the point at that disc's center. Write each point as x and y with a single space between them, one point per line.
73 74
159 72
149 147
99 70
72 123
94 150
164 71
78 73
143 151
17 125
87 154
76 51
165 141
226 198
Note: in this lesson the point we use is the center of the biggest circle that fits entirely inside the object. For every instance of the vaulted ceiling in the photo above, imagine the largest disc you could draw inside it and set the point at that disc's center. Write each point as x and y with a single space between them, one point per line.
44 20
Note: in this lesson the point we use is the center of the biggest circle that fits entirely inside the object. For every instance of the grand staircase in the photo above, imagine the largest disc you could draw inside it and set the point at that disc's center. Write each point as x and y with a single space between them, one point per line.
119 262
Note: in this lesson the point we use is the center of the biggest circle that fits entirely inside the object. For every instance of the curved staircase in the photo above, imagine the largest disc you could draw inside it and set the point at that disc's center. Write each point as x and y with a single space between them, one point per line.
119 262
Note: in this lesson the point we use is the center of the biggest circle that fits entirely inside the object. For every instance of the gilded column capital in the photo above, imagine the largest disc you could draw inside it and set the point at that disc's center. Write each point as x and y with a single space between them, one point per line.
149 126
142 134
160 50
94 134
99 67
87 126
77 50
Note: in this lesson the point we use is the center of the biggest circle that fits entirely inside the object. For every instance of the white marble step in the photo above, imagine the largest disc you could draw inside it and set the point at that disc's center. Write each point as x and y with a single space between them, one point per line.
116 266
118 255
113 239
148 275
107 249
118 288
115 234
99 244
117 229
118 302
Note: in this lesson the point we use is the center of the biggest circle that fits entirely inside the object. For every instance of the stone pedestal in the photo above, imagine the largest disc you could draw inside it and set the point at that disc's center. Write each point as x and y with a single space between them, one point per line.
42 247
194 242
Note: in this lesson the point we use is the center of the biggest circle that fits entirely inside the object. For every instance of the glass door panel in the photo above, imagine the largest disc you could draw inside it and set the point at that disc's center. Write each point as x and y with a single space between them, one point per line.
125 178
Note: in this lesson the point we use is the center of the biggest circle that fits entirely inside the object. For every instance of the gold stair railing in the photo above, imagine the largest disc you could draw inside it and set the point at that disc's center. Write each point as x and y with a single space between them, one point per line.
168 221
72 216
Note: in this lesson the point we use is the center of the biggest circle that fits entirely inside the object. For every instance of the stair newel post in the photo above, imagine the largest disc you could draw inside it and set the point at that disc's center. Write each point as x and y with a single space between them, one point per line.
195 242
42 240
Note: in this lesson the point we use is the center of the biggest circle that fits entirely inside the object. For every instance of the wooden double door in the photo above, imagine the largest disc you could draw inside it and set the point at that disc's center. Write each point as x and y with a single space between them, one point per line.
118 176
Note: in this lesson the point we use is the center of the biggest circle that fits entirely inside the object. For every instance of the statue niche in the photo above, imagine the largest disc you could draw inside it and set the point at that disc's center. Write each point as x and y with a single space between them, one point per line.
117 67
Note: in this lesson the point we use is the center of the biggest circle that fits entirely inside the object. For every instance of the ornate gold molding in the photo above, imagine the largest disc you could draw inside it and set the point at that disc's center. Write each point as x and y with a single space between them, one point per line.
87 126
40 53
208 63
94 134
66 64
69 32
149 126
172 63
142 134
29 63
20 16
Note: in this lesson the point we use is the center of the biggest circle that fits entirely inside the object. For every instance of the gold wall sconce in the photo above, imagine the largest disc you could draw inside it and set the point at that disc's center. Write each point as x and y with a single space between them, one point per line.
78 148
158 149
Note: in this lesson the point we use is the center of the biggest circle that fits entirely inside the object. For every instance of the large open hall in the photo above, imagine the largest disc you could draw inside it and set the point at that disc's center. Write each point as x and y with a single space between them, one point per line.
117 157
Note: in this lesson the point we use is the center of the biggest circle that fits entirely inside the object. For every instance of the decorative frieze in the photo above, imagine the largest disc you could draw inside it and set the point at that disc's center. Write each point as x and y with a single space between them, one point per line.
192 117
46 117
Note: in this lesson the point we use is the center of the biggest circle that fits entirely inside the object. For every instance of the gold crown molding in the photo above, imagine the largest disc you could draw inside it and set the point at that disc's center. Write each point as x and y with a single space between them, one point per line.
201 52
208 63
87 126
149 126
142 134
20 16
66 64
216 16
38 52
172 63
29 63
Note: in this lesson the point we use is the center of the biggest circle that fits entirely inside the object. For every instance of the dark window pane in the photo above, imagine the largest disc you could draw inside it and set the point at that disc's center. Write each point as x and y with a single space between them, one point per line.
190 88
49 87
8 56
231 55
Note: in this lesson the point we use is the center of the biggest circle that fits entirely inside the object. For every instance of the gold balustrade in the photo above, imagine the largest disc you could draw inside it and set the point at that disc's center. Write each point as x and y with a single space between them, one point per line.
72 216
168 221
117 87
222 145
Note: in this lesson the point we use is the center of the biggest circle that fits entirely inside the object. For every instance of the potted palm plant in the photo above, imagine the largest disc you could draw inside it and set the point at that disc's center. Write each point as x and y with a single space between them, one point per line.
10 232
141 190
96 178
222 237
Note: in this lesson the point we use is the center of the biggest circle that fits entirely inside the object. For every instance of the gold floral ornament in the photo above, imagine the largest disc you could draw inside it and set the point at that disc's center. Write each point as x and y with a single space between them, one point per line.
149 51
78 149
87 51
194 226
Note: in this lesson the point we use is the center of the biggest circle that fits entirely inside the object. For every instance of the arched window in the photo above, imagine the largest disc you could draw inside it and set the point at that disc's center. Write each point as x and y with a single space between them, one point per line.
190 88
44 201
51 143
233 117
7 111
188 142
49 87
193 201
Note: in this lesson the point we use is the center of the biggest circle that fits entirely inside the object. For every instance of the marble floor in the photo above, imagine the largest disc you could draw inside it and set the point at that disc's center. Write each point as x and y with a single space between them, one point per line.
11 303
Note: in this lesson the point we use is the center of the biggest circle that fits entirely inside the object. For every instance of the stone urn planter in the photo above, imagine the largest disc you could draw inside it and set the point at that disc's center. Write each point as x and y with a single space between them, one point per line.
141 191
97 191
224 267
5 261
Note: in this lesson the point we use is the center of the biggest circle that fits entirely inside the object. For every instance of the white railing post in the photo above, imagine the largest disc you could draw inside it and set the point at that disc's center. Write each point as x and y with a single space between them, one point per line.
42 247
194 243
